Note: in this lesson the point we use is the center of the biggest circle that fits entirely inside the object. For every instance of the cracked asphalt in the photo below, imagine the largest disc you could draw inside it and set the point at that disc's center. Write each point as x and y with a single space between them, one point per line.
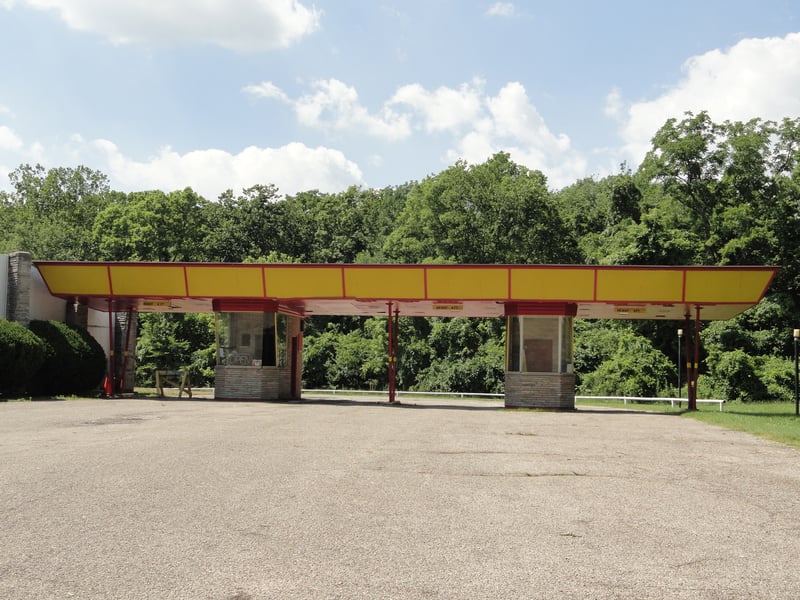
358 499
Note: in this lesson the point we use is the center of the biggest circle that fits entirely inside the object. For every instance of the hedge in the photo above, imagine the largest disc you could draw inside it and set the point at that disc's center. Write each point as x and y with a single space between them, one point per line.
75 362
21 355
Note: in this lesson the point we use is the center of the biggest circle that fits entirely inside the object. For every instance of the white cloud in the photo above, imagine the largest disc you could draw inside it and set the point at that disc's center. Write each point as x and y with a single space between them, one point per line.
293 168
512 124
501 9
243 25
13 151
614 105
267 89
754 78
9 140
444 109
335 106
13 147
480 125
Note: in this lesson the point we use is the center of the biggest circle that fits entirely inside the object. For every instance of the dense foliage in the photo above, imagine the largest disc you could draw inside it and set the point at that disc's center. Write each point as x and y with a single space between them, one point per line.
172 342
74 361
48 358
707 193
21 355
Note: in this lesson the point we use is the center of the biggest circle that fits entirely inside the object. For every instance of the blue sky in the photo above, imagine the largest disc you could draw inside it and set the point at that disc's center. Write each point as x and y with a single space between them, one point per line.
229 93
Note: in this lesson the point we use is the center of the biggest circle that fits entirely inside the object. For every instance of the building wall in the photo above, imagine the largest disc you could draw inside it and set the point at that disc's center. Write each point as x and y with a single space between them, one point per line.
540 390
43 306
233 382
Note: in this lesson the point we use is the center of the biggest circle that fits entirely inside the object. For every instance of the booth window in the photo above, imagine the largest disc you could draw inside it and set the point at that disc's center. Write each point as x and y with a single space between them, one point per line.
251 339
539 344
281 340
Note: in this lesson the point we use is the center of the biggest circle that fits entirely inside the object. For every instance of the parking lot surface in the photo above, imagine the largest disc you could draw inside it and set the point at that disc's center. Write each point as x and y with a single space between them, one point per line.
359 499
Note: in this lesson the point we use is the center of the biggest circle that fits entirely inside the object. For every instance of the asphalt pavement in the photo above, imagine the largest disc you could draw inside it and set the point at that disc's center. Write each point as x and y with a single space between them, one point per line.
359 499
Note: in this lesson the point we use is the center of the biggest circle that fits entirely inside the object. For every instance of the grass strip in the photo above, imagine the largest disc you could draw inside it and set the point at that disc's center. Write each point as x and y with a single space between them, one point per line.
774 421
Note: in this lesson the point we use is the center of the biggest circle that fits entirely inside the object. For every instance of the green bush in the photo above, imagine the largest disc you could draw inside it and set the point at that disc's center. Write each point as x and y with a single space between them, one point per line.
777 374
21 355
483 372
735 377
466 355
635 368
706 388
318 351
75 362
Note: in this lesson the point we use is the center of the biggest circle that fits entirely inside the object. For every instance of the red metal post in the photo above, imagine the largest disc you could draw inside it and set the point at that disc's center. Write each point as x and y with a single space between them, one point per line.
688 352
111 378
693 401
395 353
391 352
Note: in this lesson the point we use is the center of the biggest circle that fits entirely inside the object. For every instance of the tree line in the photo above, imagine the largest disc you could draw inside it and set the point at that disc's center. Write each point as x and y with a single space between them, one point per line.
706 193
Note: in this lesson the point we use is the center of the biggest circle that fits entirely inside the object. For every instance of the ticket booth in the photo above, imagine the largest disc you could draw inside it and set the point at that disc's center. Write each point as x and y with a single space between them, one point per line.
539 357
259 356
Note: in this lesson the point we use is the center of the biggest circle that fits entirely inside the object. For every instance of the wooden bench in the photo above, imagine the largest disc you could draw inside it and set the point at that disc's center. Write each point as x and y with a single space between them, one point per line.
178 379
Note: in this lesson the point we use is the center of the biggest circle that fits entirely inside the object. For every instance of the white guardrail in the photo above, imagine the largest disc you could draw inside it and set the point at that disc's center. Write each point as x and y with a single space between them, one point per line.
624 399
671 401
400 393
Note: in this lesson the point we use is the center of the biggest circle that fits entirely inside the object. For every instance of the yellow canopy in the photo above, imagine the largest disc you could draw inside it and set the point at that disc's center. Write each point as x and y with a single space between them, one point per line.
639 292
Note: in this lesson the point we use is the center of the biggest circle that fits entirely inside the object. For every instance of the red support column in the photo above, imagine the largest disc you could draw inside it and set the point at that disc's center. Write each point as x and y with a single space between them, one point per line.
696 366
110 384
396 330
391 347
688 353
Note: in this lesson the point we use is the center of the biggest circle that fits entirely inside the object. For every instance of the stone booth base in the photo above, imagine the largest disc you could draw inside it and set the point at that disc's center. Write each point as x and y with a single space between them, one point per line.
252 383
540 390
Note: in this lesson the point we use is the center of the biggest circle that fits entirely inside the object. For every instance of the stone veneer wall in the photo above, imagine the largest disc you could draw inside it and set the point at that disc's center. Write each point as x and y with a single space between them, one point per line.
19 288
540 390
251 383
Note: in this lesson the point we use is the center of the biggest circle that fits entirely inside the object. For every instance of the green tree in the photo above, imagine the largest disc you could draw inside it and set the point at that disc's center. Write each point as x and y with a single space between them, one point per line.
495 212
630 366
354 359
467 355
688 159
175 342
153 226
253 224
49 212
735 180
